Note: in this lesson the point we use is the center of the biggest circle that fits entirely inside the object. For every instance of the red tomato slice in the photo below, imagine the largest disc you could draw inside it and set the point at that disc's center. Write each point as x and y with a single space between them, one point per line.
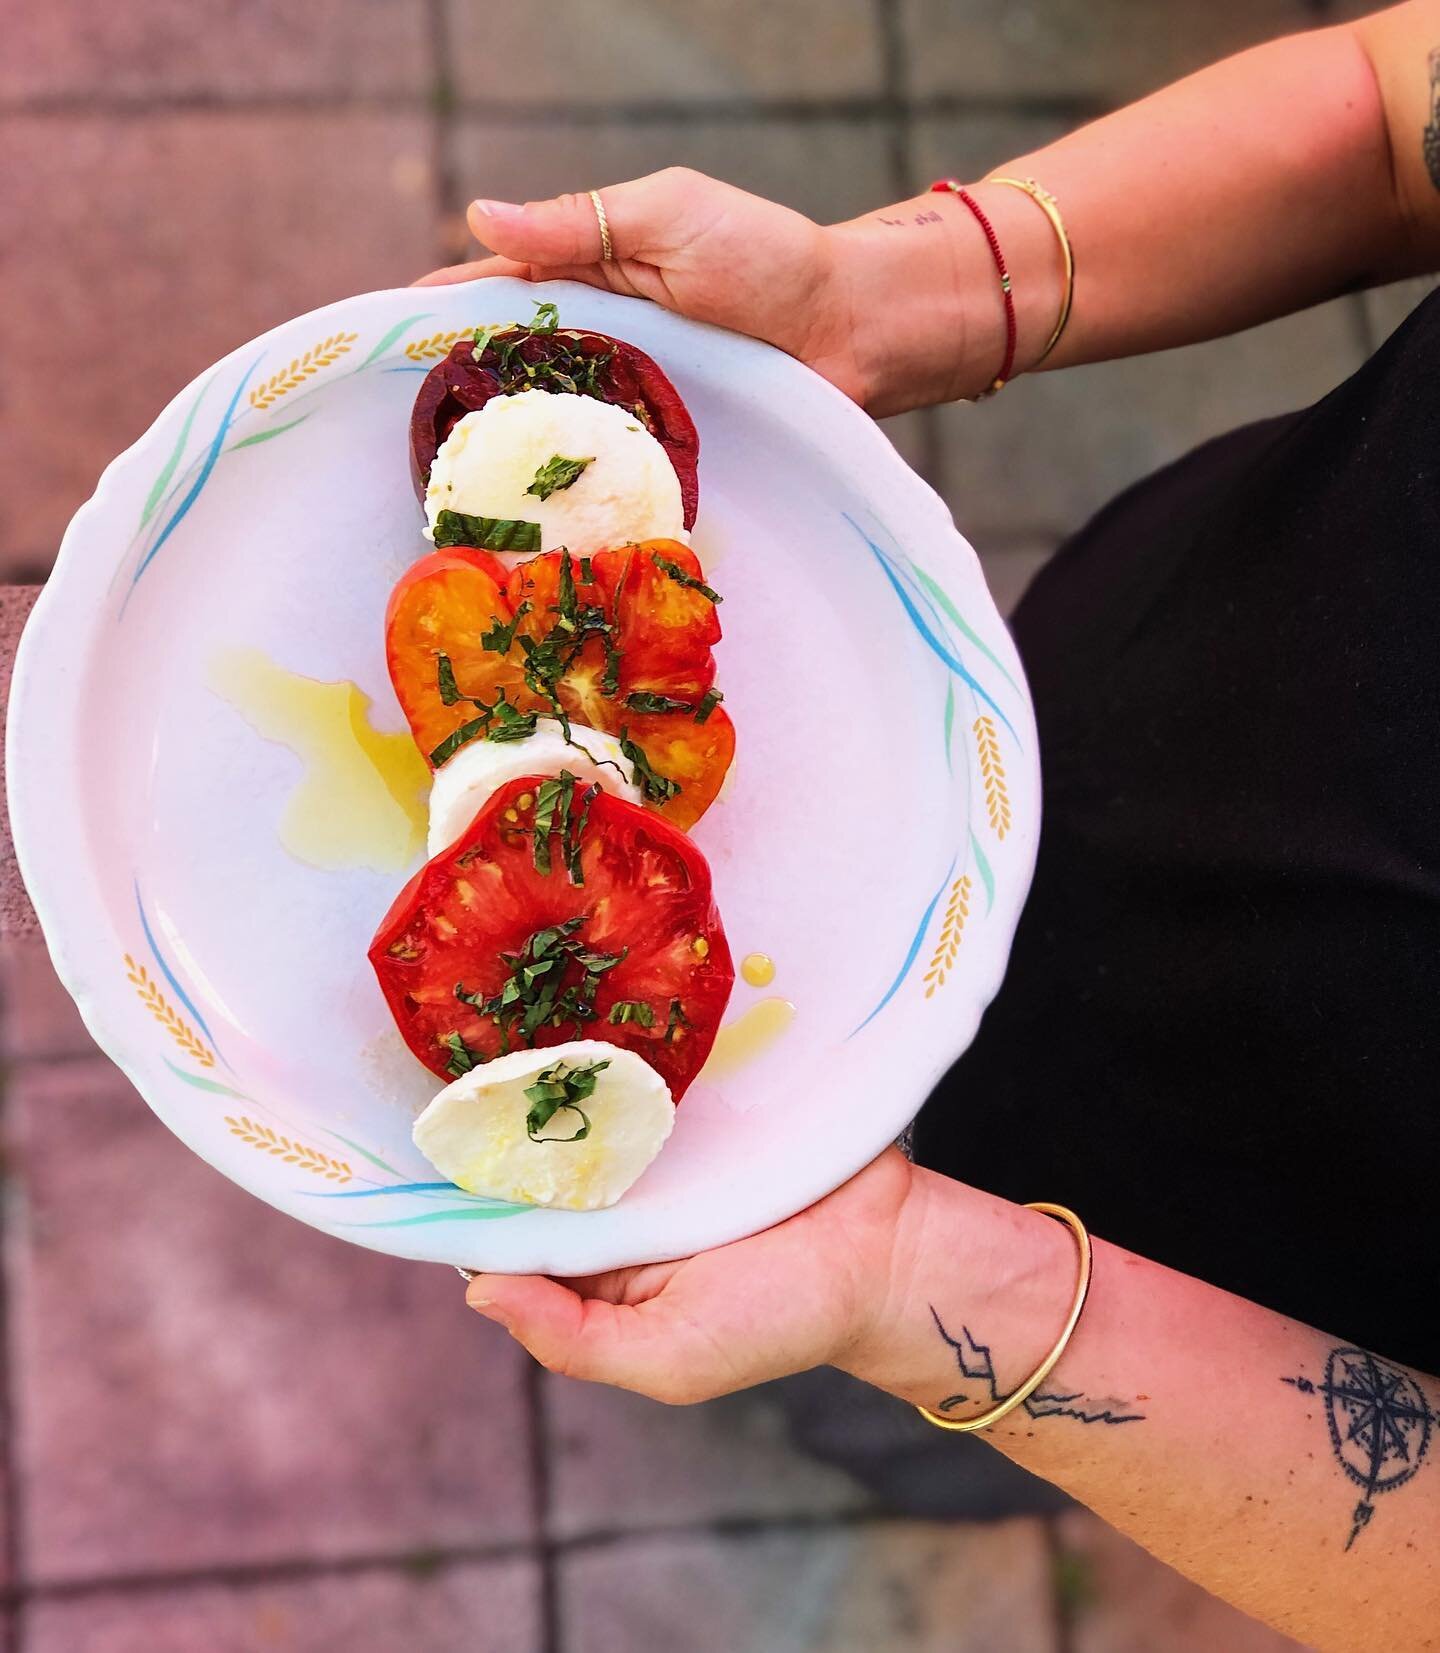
644 933
660 633
519 359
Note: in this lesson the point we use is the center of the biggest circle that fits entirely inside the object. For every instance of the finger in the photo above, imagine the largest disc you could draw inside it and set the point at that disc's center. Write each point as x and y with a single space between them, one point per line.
641 216
476 268
608 277
646 1347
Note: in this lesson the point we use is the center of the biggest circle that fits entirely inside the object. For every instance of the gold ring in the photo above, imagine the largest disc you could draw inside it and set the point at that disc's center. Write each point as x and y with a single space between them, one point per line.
607 251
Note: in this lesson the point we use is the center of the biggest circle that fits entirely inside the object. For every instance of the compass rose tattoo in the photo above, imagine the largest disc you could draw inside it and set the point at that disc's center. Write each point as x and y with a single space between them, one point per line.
1380 1424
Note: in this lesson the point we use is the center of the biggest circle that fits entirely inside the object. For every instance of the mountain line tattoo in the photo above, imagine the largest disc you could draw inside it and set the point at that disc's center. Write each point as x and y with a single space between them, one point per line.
1380 1424
1430 139
974 1362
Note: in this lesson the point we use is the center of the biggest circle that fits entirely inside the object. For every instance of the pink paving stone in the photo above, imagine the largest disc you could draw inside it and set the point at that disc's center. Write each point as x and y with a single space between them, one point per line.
1100 48
620 1461
38 1018
666 50
148 48
482 1607
828 169
886 1587
151 246
202 1382
17 916
1125 1601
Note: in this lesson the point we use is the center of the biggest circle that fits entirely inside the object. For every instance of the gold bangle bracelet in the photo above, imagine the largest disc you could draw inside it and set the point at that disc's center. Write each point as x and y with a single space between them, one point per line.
1017 1397
1051 208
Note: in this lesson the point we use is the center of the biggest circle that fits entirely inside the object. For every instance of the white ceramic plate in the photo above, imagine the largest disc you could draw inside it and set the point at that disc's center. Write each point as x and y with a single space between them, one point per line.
876 840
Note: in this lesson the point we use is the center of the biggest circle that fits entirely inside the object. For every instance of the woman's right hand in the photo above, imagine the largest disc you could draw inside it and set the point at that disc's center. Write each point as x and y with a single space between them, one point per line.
880 315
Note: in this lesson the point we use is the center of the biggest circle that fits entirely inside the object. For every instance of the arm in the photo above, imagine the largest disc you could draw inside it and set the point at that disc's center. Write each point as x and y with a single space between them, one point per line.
1196 1422
1273 180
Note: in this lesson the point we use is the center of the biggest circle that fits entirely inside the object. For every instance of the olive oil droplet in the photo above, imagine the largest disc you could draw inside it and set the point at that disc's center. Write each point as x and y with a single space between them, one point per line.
758 969
361 799
748 1036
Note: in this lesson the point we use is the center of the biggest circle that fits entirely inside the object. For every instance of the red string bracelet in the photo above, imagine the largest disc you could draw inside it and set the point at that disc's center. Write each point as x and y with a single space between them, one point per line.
954 187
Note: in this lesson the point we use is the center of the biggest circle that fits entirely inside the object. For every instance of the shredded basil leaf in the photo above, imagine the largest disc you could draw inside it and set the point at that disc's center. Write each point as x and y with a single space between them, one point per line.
541 989
509 723
445 676
483 336
552 811
499 721
657 788
574 842
678 1019
556 474
558 1088
712 699
642 700
547 318
680 577
502 634
462 1058
567 605
610 678
631 1010
485 533
462 736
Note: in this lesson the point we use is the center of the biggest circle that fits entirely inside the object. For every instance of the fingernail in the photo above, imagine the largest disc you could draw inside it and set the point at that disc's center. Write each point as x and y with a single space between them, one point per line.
496 209
491 1311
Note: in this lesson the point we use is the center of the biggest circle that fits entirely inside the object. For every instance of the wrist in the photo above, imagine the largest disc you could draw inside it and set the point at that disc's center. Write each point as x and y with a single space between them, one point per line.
976 1265
924 300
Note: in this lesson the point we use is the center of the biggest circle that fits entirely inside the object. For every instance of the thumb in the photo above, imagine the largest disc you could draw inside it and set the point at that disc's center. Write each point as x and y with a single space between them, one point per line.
566 229
644 1347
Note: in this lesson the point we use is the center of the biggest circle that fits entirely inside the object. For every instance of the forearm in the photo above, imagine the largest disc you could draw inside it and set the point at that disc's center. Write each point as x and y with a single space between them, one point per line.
1195 1421
1258 186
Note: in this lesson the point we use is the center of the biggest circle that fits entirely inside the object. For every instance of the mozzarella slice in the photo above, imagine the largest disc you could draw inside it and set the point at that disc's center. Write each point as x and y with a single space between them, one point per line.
628 491
463 785
475 1131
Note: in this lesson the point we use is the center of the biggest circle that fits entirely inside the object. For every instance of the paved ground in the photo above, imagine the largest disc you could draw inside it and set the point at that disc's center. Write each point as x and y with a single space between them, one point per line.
221 1431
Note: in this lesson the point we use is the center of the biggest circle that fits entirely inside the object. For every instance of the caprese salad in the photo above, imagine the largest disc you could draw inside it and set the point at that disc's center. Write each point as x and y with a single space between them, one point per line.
559 959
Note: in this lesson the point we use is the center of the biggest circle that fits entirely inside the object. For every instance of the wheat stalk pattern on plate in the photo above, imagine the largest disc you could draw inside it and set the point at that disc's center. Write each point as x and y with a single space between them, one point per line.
302 368
438 344
952 931
270 1141
159 1007
992 772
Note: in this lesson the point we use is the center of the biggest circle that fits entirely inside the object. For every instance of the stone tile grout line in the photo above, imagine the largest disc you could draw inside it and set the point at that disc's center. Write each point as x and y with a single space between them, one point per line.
429 1559
1073 107
442 107
547 1550
890 29
11 1550
900 124
1062 1607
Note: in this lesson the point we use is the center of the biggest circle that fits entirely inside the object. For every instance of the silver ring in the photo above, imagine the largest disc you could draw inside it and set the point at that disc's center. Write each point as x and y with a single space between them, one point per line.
607 250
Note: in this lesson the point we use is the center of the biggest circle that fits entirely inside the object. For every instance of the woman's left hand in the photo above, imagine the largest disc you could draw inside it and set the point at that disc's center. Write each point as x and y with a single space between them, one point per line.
805 1293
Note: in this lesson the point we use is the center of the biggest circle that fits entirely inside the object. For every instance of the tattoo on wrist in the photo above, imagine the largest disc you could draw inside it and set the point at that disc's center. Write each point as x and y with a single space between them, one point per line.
1380 1424
1430 138
1052 1401
927 216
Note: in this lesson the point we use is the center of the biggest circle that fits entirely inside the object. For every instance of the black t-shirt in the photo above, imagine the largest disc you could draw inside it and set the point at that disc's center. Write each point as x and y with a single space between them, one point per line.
1219 1036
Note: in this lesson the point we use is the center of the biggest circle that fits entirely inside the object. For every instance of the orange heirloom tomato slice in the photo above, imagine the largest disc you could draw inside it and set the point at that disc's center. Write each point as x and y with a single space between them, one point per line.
644 638
639 931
